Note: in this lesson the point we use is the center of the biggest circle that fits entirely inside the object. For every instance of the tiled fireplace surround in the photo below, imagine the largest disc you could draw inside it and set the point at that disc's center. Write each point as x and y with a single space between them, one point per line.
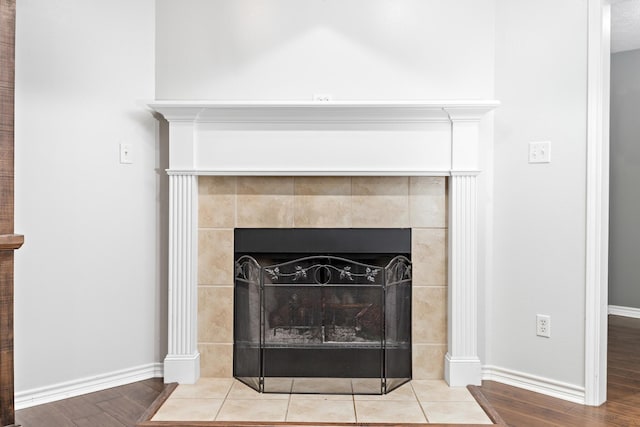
315 165
321 202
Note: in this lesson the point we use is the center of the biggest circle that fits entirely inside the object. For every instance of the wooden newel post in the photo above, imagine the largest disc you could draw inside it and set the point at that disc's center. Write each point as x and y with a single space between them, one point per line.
9 241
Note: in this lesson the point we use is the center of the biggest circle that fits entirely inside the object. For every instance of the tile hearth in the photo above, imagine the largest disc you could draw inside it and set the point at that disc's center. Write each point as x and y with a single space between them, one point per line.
228 400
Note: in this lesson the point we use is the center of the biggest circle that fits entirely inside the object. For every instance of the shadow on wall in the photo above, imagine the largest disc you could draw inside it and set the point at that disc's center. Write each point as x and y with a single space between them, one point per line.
162 195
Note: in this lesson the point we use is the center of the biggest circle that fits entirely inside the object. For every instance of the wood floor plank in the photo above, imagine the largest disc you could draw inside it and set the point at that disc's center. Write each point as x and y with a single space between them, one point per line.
103 395
78 407
141 393
41 416
155 383
123 409
100 420
114 407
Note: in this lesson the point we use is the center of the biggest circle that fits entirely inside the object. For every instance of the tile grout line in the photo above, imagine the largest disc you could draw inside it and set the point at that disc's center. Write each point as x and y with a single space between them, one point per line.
286 413
355 411
224 400
419 403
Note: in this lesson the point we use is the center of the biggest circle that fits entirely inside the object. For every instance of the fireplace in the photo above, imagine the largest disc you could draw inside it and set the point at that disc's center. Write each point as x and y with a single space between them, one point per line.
293 141
322 310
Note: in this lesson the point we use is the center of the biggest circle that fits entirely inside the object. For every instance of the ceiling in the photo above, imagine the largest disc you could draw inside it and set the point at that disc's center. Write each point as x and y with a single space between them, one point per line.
625 25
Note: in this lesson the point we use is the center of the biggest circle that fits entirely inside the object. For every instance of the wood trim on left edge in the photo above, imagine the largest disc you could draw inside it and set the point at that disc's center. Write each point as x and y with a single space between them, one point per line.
8 241
11 242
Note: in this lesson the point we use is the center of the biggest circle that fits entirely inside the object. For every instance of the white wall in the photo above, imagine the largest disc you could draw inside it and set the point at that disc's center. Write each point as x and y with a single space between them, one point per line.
539 222
89 279
624 246
358 49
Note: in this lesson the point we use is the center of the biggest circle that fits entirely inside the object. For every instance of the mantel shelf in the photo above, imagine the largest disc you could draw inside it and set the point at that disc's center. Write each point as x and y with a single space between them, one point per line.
10 242
323 138
322 111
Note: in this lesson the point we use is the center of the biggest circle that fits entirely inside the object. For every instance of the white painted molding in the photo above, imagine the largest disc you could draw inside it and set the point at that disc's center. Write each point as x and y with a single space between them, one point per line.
183 369
618 310
546 386
597 207
308 172
462 364
335 138
287 112
182 361
67 389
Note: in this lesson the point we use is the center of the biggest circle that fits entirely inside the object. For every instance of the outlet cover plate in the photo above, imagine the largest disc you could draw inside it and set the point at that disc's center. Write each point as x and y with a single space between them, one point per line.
543 325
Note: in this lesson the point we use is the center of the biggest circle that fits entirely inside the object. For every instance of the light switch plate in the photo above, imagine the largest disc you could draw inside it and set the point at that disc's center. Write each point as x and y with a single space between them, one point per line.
126 156
540 152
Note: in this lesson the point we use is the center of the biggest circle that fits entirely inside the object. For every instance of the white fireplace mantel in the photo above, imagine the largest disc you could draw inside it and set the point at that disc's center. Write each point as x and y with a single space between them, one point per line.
323 138
404 138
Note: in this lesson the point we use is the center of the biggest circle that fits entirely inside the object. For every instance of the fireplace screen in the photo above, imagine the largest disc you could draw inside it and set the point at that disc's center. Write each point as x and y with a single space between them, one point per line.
322 324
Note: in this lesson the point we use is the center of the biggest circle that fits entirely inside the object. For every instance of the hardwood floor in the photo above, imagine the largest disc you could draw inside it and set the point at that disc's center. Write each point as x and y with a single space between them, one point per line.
122 406
115 407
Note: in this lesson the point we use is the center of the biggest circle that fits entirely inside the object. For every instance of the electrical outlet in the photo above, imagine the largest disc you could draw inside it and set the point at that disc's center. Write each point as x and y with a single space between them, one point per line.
540 152
543 325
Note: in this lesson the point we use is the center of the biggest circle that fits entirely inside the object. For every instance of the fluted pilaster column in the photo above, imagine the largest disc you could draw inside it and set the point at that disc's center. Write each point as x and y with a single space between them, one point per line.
182 363
462 365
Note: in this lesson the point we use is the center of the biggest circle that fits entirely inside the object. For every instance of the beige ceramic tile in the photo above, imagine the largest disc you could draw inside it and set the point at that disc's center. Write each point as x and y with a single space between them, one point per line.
428 361
455 413
215 257
439 391
362 386
380 186
429 256
215 314
380 202
265 186
428 201
216 360
264 202
321 411
216 201
404 392
278 385
205 388
253 410
430 315
322 385
322 202
322 186
240 391
329 397
370 411
188 410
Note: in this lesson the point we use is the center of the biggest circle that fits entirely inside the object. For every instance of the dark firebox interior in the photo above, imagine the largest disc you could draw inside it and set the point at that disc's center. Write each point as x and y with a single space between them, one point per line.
322 310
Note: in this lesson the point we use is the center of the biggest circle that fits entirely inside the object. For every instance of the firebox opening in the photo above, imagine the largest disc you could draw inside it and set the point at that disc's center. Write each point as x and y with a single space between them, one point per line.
322 310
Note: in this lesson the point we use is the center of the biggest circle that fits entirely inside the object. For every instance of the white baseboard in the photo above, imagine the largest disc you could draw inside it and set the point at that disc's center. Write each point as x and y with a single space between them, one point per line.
542 385
618 310
52 393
